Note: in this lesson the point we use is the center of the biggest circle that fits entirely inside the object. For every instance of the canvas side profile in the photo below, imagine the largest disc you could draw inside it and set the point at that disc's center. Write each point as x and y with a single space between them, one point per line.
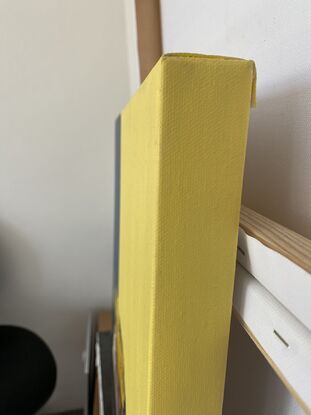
182 152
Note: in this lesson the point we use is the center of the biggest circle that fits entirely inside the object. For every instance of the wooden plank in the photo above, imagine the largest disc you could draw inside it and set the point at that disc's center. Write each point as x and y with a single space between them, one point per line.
104 321
277 237
149 38
289 283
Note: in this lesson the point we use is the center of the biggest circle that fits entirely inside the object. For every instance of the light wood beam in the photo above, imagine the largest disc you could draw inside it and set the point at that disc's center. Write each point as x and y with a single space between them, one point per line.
149 38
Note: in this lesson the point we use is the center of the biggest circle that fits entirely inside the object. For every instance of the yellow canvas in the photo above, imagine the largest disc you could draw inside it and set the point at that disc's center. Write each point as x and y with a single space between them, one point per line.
183 140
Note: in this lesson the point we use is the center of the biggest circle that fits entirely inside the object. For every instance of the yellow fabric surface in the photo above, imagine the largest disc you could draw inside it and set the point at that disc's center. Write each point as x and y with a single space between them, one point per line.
120 359
183 139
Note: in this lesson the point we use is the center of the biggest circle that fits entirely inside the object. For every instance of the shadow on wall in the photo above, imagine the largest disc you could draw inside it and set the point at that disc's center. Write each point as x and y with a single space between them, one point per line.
278 163
26 301
251 385
19 267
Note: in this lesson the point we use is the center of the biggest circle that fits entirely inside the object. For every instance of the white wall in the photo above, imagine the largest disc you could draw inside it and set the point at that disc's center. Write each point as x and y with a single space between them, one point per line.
277 35
131 42
63 80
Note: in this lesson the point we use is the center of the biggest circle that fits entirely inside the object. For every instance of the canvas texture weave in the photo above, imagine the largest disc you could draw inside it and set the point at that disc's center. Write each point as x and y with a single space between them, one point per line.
183 141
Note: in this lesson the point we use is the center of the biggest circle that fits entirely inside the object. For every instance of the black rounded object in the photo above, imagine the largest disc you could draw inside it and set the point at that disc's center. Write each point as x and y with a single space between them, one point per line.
27 371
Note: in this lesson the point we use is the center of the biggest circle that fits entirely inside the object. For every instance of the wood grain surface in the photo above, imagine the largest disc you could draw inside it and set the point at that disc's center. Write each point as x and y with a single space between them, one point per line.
277 237
149 38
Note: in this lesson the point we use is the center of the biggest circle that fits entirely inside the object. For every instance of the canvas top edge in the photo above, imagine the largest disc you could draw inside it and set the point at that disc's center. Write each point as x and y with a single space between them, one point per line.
186 56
